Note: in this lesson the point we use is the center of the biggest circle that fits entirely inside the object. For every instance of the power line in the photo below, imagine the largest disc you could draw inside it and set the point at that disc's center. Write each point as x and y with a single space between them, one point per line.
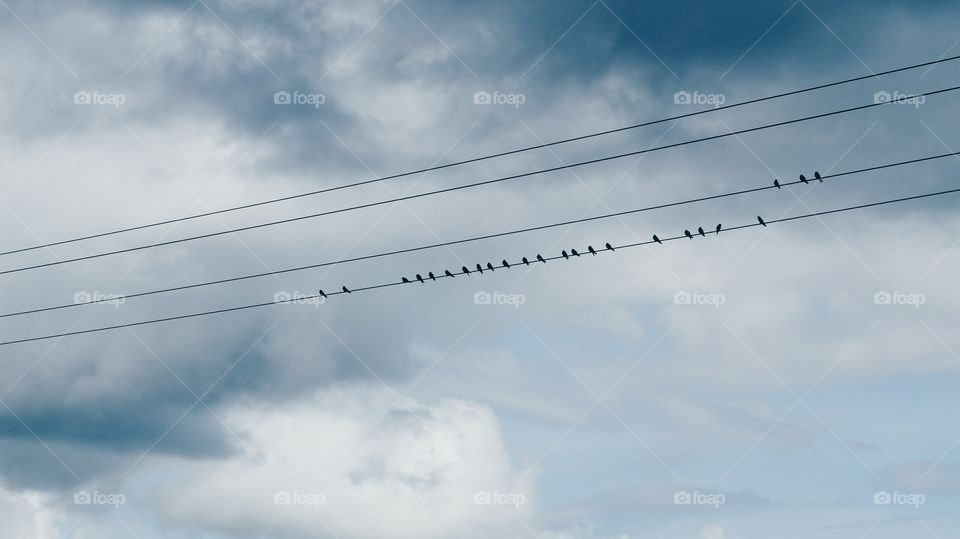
484 237
485 157
456 188
399 283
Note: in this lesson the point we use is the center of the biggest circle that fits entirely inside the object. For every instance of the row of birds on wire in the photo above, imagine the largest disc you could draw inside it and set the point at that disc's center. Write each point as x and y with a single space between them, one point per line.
573 252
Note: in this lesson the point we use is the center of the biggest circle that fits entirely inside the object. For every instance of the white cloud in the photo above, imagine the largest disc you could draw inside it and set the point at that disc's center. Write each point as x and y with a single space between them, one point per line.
411 472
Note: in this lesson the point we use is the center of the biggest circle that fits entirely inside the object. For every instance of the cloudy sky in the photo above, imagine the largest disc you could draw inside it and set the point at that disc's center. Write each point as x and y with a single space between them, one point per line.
791 381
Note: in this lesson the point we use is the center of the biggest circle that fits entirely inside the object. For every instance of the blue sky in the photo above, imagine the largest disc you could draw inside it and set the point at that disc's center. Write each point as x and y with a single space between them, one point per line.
585 399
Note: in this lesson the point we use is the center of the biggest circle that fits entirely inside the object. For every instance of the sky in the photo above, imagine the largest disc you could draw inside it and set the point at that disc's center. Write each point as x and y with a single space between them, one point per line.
796 380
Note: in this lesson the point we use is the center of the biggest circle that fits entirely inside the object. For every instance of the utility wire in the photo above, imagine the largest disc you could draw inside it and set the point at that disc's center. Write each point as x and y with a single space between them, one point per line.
398 283
449 189
485 157
478 238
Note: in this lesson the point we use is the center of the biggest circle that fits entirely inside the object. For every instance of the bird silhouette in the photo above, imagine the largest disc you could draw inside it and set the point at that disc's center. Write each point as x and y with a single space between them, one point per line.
687 234
700 230
489 266
656 239
804 179
817 175
347 290
480 269
776 183
504 263
718 227
420 278
609 247
574 252
565 256
465 270
525 261
432 278
540 258
322 294
590 248
406 281
447 273
760 220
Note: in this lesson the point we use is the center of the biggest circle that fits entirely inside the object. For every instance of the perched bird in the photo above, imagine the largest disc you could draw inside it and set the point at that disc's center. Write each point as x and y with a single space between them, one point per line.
804 179
322 294
504 263
489 266
525 261
447 273
480 269
760 220
656 239
609 247
347 290
818 176
718 228
540 258
406 281
565 256
420 278
432 278
700 230
776 183
465 270
590 248
687 234
574 252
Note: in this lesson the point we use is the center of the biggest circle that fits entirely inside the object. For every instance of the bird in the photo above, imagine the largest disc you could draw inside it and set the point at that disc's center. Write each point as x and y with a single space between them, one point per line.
687 234
465 270
489 266
804 179
565 256
817 175
574 252
540 258
700 230
656 239
776 183
590 248
609 247
322 294
420 278
347 290
760 220
447 273
504 263
525 261
406 281
480 269
718 227
430 274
